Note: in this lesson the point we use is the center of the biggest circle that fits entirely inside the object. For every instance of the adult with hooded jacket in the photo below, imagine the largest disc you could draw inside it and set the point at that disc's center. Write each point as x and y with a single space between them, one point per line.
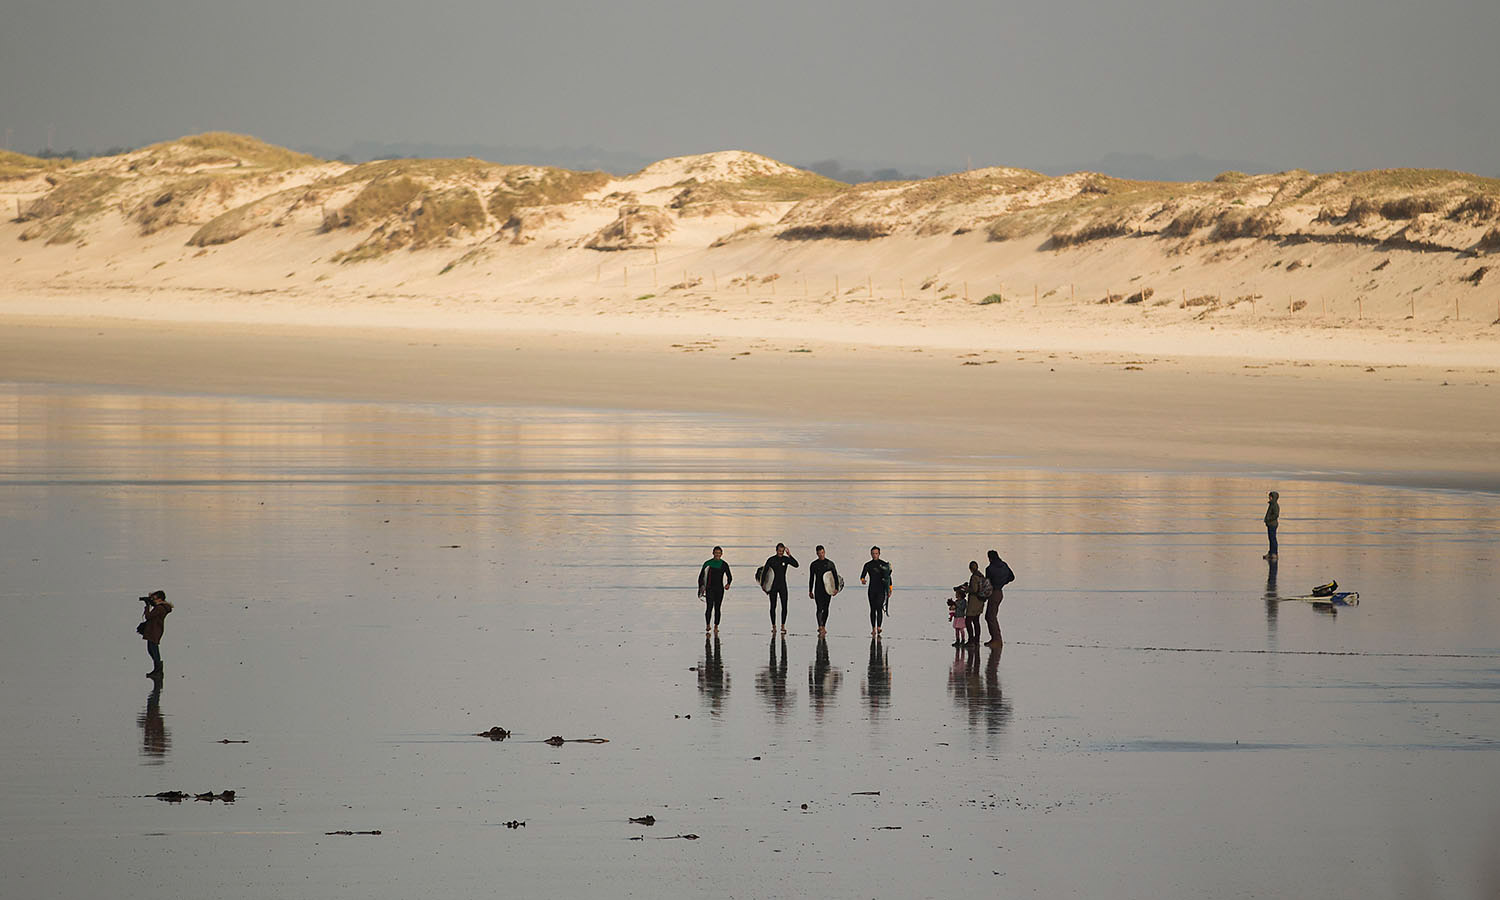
999 575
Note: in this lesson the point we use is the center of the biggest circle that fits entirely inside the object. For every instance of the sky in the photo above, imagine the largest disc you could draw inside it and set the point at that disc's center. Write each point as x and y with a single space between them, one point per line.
1315 84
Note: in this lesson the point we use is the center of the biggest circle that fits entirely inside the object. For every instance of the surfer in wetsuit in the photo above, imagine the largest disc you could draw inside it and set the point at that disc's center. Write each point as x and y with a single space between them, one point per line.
877 573
713 578
816 590
777 564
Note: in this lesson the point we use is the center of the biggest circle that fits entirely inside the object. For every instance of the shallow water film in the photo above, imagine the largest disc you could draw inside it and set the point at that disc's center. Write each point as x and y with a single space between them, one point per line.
360 589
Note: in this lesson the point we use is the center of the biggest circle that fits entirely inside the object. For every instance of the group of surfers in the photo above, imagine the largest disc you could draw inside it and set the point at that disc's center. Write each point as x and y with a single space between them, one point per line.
714 577
982 594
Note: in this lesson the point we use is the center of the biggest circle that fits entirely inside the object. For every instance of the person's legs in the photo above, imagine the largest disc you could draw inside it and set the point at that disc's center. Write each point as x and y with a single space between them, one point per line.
877 610
784 604
714 602
822 605
973 629
992 617
154 649
1271 536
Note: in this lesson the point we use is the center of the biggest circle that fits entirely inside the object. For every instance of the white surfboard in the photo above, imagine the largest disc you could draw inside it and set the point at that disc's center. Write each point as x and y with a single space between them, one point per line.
767 579
831 584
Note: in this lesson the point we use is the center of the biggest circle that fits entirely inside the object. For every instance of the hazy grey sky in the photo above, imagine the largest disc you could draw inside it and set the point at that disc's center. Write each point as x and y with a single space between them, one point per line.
1320 84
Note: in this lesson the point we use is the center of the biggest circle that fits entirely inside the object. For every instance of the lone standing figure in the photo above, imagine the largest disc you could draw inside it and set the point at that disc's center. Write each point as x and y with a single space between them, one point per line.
1273 513
152 628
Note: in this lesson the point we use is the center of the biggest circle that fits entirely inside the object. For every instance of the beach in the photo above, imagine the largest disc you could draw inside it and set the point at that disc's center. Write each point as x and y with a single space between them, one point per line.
404 485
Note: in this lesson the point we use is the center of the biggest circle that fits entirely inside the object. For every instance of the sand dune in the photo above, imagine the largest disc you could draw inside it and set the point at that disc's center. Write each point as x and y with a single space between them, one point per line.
1390 266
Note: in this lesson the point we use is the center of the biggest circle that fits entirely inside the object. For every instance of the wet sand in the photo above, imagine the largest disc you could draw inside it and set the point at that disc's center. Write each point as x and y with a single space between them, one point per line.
1393 424
361 586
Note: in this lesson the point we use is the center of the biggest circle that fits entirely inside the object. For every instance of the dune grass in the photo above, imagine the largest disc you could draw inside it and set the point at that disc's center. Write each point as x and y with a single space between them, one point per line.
468 169
19 165
445 214
377 201
835 231
542 187
223 147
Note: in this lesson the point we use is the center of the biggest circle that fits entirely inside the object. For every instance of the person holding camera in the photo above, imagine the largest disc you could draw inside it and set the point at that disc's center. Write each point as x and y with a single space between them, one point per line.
152 625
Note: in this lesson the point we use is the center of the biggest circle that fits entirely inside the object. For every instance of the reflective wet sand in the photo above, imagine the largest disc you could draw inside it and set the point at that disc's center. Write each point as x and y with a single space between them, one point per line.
361 587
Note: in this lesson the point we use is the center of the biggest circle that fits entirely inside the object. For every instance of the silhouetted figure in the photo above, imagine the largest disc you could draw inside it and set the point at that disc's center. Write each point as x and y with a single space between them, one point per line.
877 574
999 574
156 740
714 577
713 681
1272 519
771 682
977 591
153 626
817 591
777 564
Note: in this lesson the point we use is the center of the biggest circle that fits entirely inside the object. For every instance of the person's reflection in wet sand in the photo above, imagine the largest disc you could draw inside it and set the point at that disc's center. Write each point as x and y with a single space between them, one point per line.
877 686
822 679
980 694
713 681
771 682
156 740
1273 599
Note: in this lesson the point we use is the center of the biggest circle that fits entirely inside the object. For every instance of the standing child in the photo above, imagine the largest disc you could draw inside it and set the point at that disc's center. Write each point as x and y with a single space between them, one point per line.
956 616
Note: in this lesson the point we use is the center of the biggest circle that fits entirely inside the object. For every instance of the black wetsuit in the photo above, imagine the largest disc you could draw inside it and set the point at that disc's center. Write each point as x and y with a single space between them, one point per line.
877 572
713 578
778 565
815 587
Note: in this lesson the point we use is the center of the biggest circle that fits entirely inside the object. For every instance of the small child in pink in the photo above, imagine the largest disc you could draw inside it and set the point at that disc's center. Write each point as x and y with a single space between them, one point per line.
959 621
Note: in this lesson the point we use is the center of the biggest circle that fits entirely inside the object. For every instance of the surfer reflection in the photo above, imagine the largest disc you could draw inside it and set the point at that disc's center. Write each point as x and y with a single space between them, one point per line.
771 682
713 681
877 686
822 679
156 740
980 694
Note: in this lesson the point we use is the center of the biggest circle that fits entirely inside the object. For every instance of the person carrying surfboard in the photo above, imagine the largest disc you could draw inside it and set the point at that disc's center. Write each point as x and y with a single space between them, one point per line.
775 571
713 578
877 574
823 582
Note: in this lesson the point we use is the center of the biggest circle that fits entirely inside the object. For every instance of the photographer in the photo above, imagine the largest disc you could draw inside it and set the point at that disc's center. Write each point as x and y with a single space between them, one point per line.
151 628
